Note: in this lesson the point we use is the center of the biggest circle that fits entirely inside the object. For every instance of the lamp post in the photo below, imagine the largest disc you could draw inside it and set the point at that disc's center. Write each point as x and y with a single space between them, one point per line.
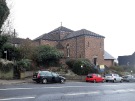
81 67
81 72
131 72
6 54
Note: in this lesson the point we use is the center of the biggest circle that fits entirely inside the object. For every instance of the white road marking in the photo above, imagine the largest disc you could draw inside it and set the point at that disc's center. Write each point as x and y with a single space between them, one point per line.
43 87
118 91
16 89
68 94
109 85
83 93
78 86
22 98
68 87
100 92
131 90
121 90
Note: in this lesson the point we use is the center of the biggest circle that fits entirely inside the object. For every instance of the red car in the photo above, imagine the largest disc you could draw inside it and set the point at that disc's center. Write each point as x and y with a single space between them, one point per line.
94 78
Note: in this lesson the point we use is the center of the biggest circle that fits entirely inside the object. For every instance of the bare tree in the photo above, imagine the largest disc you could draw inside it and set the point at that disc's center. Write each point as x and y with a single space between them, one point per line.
27 49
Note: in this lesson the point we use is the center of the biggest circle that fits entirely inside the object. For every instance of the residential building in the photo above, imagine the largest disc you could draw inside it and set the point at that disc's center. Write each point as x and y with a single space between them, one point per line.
77 44
18 41
108 59
128 60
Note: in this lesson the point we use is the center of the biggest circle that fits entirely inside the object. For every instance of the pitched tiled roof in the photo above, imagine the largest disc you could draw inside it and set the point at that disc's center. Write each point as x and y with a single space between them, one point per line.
55 34
133 54
17 40
82 32
108 56
40 37
61 28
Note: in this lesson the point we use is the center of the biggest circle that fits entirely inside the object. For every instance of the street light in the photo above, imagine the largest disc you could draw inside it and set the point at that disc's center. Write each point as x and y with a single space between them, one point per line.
81 66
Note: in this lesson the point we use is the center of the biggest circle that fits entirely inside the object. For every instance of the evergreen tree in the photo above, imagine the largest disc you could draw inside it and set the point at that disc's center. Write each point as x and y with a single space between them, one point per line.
4 12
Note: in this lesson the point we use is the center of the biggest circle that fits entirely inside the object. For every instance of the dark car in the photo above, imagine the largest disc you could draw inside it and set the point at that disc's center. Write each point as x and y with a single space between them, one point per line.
129 78
47 76
94 78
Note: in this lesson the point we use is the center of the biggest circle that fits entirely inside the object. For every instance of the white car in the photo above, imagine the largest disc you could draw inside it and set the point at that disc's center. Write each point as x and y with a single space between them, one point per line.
113 78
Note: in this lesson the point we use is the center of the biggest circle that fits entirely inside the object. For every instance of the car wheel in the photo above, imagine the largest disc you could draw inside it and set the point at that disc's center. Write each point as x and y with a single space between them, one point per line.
103 81
62 81
121 81
44 81
114 81
94 81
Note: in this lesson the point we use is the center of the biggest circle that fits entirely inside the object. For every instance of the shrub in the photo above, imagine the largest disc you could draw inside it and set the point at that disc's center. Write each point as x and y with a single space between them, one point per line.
121 70
12 52
81 66
6 66
70 62
118 68
47 56
24 64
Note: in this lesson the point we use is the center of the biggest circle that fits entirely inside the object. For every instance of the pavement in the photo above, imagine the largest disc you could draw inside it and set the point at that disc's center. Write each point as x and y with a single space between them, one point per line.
18 81
26 80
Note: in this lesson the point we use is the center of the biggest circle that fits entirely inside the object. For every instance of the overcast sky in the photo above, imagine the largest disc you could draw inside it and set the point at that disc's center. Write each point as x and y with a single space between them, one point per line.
114 19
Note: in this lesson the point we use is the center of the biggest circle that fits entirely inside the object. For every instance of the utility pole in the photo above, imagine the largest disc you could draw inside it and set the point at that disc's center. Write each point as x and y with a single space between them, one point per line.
61 23
14 46
14 33
0 32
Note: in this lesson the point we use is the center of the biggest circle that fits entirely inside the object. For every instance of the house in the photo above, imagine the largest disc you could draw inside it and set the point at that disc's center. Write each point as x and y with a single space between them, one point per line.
108 59
18 41
77 44
128 60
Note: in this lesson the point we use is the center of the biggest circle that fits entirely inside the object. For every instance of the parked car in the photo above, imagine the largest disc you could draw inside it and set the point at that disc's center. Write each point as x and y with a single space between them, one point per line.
94 78
47 76
113 78
129 78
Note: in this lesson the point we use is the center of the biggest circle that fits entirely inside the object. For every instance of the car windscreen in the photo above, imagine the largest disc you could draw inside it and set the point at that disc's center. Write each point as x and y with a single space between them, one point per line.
91 75
126 76
55 74
44 73
108 75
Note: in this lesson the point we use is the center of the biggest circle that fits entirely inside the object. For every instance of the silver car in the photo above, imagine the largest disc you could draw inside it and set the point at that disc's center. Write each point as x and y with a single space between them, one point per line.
113 78
129 78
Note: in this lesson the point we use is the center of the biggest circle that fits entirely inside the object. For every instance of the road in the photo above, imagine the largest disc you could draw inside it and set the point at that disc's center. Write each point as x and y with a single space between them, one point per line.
70 91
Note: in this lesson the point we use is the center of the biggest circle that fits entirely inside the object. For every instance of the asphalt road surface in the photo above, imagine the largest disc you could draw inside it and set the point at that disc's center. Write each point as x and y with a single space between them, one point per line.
70 91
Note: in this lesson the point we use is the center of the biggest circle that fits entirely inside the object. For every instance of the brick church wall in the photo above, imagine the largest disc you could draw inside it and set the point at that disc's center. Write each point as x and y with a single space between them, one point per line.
94 48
